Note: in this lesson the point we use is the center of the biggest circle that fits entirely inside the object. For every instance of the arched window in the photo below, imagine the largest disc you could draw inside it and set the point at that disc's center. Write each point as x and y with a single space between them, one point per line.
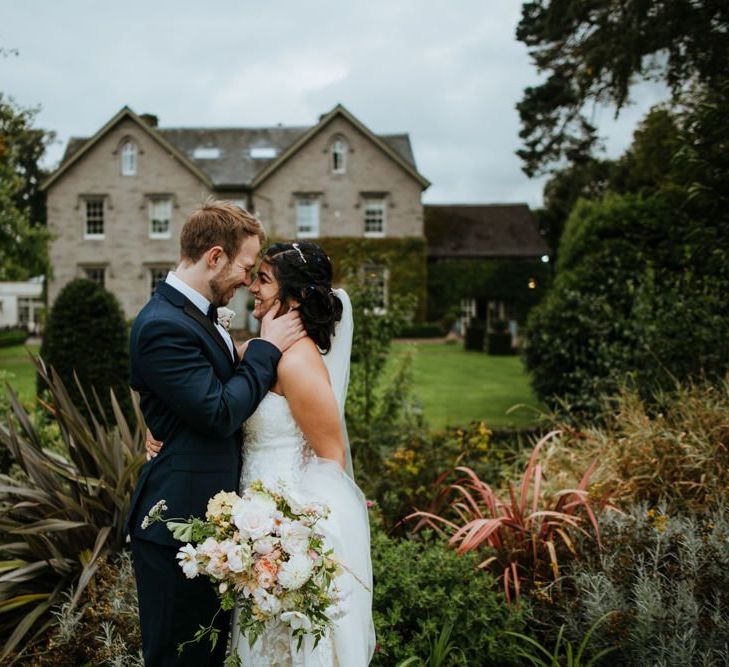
129 159
339 157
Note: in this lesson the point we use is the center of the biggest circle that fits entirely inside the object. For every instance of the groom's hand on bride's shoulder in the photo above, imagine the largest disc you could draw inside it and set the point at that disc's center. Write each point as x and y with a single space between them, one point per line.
282 331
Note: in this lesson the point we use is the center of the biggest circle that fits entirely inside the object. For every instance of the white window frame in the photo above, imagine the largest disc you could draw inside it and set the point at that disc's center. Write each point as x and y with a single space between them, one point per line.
152 204
339 150
94 236
378 205
383 278
155 274
314 205
129 154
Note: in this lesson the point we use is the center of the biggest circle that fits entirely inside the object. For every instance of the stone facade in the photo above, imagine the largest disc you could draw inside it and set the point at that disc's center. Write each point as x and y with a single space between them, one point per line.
126 252
129 254
341 196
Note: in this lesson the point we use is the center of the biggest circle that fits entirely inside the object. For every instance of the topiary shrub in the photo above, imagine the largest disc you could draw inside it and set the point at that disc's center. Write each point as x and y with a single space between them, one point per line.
475 333
86 333
421 587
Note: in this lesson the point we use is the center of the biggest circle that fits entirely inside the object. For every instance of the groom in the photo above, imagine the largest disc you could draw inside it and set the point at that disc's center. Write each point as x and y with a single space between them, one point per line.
195 394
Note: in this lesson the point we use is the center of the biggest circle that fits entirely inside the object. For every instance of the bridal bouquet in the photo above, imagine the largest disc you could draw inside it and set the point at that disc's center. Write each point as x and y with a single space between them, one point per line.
264 555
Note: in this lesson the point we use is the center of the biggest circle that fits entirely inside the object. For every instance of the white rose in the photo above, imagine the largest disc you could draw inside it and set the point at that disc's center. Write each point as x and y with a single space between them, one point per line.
295 572
235 555
264 545
267 603
216 565
295 537
187 556
225 317
254 517
296 620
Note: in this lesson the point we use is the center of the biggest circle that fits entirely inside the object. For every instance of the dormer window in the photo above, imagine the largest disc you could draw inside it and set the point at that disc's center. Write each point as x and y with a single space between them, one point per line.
129 159
206 153
339 157
263 153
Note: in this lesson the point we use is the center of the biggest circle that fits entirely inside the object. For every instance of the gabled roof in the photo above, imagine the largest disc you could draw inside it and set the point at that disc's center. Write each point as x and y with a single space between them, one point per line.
389 147
235 168
482 231
82 146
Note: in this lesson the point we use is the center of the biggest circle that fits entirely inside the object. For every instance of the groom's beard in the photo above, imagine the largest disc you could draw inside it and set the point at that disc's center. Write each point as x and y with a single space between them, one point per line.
222 290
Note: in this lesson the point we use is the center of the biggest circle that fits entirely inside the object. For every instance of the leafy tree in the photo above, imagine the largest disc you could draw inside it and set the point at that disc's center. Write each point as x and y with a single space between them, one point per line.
86 335
644 168
23 236
594 51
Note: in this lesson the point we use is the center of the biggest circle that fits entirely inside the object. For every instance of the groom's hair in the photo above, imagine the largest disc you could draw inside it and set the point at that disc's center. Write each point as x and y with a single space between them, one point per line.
220 223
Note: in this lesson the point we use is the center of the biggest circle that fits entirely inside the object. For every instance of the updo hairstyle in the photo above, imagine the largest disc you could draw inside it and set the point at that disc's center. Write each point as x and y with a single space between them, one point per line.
304 273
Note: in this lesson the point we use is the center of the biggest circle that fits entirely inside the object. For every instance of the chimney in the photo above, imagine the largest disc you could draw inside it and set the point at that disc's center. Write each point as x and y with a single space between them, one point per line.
150 119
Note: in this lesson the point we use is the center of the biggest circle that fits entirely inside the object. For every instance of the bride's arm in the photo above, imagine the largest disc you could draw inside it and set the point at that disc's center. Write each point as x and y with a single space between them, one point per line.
304 381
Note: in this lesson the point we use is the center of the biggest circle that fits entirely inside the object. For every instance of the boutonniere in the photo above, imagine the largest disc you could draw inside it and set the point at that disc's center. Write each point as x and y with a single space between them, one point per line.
225 317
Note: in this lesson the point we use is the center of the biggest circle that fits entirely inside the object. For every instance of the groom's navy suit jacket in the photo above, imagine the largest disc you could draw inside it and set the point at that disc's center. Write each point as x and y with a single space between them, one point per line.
194 397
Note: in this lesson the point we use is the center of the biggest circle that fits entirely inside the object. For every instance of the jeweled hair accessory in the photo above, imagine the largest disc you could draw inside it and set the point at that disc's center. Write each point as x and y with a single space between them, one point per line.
301 254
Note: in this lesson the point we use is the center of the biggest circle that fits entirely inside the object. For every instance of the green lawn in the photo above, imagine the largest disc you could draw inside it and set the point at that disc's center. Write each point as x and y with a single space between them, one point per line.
15 360
456 387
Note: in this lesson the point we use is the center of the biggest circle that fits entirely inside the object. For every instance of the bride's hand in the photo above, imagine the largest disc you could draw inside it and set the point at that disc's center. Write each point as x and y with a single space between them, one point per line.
152 446
241 349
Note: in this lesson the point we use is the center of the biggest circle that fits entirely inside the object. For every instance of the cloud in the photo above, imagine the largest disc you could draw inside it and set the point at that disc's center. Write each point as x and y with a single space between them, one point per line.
449 73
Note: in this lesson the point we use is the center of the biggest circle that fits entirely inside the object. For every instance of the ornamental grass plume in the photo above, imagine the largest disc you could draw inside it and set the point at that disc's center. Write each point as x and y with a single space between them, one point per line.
525 536
674 449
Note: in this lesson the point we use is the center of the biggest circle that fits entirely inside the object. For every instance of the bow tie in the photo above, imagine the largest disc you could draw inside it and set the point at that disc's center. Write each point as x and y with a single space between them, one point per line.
213 313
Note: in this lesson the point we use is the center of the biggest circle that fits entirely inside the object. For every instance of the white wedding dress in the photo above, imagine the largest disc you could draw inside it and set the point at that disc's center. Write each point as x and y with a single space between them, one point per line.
275 451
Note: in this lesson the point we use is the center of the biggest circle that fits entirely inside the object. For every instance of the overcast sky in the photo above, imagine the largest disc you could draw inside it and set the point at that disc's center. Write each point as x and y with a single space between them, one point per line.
448 73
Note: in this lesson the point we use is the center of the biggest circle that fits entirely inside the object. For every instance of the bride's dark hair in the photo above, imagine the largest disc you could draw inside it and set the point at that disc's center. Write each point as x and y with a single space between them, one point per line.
304 273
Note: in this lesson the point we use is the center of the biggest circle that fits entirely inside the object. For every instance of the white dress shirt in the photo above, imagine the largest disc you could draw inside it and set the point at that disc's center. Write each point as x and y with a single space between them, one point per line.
200 302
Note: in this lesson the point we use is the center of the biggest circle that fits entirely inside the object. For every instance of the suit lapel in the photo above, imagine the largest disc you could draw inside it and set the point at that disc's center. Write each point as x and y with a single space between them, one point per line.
193 311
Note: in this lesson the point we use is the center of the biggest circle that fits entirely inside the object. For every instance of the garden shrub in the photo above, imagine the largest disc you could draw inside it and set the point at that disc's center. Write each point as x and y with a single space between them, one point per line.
674 449
103 629
410 471
11 337
424 330
86 334
665 577
499 343
640 289
521 534
475 334
420 587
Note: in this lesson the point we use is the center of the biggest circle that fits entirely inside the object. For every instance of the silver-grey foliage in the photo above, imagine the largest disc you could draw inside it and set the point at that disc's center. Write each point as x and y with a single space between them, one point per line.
667 577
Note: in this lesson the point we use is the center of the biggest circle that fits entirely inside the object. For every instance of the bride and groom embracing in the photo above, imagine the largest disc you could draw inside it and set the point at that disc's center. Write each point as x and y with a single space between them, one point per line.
269 410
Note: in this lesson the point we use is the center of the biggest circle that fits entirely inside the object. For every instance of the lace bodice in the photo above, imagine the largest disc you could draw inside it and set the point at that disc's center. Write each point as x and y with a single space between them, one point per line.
274 448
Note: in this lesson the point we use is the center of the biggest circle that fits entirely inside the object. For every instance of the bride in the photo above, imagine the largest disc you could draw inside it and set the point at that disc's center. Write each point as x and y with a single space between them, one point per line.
297 437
